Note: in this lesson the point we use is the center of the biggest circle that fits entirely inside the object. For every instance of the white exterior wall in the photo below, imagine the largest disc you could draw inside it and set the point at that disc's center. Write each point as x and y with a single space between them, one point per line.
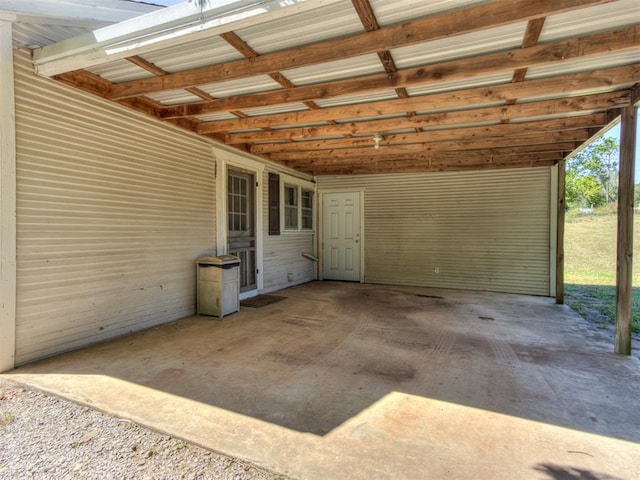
485 230
284 265
112 210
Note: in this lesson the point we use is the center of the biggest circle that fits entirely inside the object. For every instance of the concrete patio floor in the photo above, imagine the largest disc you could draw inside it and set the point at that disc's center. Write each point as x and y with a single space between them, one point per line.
351 381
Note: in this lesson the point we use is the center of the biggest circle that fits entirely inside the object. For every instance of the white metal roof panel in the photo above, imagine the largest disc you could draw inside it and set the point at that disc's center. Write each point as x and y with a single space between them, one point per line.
194 54
461 46
300 125
246 130
273 109
231 88
460 125
120 71
396 11
600 18
461 83
27 34
345 68
173 97
325 137
583 64
304 28
357 98
367 119
213 117
460 108
553 116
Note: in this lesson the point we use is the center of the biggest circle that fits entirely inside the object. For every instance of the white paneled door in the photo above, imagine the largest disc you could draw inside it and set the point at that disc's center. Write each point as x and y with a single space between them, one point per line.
341 237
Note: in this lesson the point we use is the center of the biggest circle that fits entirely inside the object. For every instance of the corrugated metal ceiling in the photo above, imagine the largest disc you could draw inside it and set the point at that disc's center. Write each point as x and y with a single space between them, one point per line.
346 68
460 46
600 18
328 108
305 28
396 11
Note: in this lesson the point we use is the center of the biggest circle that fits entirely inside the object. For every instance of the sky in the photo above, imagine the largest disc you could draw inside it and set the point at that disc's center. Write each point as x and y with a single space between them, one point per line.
166 3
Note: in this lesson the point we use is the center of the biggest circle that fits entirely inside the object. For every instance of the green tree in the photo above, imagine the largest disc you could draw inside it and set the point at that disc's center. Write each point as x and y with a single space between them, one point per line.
592 174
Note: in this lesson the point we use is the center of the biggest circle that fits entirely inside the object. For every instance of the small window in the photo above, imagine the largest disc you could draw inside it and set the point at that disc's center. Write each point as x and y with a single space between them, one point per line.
290 207
307 210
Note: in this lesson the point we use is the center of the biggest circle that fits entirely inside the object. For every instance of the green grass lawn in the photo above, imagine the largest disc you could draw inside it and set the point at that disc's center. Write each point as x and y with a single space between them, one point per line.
590 267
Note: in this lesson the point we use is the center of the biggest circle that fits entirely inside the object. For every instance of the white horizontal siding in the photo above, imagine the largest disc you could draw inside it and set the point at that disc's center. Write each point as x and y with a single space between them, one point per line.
112 210
480 230
282 253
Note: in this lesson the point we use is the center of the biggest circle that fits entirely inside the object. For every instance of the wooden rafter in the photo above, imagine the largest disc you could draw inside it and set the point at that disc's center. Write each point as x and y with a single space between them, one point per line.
461 126
467 20
368 18
533 143
598 44
531 36
470 156
443 135
433 163
564 84
585 103
152 68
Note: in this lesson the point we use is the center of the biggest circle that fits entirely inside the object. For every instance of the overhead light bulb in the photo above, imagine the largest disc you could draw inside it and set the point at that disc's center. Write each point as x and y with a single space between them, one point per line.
377 138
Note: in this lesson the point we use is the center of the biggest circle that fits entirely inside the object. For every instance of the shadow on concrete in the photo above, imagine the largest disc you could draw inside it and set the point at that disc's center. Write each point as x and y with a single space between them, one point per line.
563 472
331 350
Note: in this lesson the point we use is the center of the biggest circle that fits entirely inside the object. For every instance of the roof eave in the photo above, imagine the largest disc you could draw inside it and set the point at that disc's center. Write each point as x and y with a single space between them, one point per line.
173 25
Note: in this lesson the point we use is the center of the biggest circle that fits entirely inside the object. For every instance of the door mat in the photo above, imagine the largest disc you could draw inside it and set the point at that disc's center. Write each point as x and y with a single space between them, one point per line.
261 301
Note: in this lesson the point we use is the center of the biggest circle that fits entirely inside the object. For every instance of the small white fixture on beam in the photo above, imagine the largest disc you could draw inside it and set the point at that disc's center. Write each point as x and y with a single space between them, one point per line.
377 138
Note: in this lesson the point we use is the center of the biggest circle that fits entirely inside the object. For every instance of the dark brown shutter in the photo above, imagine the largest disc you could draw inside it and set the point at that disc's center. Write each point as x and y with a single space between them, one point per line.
274 204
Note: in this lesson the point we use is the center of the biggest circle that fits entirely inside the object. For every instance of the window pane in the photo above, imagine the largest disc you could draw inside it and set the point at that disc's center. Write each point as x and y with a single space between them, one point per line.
307 209
307 199
290 195
290 217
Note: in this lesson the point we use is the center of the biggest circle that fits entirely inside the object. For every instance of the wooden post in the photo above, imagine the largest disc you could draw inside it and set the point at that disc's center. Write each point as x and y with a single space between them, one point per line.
625 229
560 234
7 201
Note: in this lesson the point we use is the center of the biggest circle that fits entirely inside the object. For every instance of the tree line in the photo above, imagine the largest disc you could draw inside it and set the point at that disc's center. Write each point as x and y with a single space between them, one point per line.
592 175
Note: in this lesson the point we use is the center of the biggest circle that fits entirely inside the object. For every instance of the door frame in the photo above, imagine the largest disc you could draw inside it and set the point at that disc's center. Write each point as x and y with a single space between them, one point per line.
226 161
320 239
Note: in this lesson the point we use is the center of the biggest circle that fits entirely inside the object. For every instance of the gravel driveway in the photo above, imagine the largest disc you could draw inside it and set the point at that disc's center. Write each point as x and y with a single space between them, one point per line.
44 437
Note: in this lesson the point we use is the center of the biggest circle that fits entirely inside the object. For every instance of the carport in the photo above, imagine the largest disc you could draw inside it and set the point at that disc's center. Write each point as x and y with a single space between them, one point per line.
136 139
345 380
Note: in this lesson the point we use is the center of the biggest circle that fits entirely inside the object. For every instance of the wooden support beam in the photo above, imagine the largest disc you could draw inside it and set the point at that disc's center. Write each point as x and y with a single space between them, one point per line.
560 232
495 146
415 167
7 201
624 290
423 138
540 127
474 18
508 146
476 158
86 81
531 36
619 77
586 103
597 44
370 22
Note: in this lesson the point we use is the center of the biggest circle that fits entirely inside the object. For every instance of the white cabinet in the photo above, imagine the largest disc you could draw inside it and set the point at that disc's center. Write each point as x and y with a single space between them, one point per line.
218 285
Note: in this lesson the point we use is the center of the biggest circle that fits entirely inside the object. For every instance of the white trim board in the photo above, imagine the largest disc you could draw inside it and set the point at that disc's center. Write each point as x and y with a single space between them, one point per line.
224 160
174 25
7 201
